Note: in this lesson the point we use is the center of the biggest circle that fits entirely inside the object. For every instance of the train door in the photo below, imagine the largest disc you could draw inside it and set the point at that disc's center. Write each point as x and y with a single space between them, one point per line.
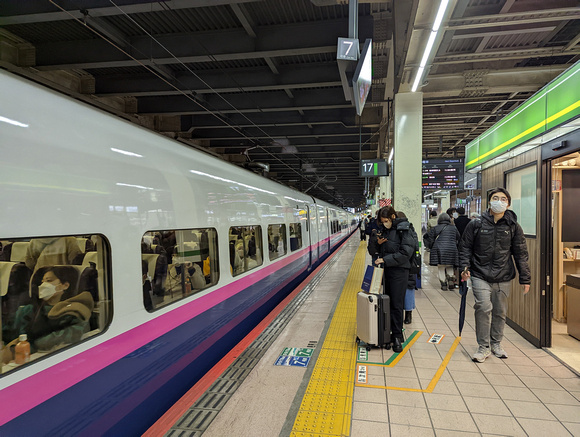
322 231
309 232
329 229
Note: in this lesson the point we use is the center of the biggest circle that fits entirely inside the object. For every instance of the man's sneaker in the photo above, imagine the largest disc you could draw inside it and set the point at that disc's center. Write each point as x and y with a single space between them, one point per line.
481 354
497 350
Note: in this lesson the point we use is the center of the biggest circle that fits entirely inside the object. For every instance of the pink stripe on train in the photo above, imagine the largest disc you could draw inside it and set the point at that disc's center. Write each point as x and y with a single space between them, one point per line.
32 391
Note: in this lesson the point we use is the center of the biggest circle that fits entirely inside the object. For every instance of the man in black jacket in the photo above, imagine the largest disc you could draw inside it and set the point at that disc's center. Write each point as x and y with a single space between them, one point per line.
461 221
485 254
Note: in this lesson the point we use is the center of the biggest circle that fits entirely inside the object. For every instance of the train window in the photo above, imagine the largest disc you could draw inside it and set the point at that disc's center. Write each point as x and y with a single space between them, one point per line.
54 290
245 248
176 264
333 224
277 245
295 236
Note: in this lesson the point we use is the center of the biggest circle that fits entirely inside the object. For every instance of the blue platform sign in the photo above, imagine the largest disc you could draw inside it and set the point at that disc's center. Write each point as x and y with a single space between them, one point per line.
294 356
286 360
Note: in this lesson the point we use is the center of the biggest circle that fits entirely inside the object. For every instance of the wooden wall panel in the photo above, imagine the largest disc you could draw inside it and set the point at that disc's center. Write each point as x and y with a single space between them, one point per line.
522 310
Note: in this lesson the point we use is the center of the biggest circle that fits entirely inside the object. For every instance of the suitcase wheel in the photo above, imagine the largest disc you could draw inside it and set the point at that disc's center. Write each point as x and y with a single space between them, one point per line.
368 348
357 340
388 346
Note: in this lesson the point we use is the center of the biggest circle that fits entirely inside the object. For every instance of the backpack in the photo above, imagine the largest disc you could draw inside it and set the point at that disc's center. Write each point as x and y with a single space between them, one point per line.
415 259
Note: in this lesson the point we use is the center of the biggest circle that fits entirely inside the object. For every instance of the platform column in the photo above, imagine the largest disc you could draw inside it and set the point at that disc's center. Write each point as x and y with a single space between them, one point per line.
408 156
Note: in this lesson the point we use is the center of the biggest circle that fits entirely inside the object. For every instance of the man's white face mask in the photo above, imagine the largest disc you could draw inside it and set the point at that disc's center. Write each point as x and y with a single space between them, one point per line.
497 206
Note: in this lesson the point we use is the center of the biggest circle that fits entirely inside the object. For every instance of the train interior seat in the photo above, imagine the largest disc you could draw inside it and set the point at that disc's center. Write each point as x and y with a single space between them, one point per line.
91 257
82 243
19 249
14 282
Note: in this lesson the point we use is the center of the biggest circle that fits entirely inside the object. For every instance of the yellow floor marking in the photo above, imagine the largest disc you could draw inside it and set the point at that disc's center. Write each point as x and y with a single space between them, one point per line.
433 382
326 408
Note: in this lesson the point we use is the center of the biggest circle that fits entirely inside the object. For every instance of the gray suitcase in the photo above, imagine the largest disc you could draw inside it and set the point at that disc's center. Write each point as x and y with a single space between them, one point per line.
373 320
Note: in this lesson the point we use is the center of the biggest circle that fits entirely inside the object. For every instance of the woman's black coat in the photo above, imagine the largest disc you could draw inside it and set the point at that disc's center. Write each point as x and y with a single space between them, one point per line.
443 241
398 248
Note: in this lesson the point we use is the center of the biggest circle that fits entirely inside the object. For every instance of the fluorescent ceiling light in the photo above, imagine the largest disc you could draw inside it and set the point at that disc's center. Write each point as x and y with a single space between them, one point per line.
440 13
430 43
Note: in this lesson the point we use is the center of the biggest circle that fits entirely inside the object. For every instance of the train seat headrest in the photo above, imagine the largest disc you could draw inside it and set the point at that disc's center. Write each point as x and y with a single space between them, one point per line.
5 271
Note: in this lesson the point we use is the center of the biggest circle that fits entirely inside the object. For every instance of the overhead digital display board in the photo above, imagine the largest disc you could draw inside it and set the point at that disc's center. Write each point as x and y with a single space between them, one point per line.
443 174
373 168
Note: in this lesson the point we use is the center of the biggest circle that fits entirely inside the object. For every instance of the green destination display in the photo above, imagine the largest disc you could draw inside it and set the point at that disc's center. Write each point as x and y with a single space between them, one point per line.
556 103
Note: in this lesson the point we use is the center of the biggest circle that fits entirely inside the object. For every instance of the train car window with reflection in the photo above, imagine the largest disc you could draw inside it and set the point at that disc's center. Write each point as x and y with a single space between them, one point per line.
295 236
176 264
245 244
277 245
54 293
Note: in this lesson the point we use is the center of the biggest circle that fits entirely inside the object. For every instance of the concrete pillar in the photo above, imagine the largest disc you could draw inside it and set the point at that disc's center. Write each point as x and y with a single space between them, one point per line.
408 156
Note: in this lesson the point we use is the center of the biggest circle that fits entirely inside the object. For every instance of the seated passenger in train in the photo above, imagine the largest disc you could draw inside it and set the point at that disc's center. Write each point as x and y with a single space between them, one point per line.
57 315
52 251
146 281
236 257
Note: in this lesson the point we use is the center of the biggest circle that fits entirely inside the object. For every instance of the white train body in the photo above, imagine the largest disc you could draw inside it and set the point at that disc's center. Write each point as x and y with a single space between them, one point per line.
68 169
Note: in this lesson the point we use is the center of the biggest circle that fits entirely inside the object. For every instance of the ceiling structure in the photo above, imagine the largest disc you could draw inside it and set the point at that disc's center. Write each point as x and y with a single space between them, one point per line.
257 82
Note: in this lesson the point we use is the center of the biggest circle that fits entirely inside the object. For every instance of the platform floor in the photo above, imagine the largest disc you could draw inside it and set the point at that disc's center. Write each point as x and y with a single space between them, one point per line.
428 389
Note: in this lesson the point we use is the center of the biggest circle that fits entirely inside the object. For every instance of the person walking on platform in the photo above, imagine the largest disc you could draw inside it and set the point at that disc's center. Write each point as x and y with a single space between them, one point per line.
396 248
442 240
432 222
362 225
374 229
488 249
462 220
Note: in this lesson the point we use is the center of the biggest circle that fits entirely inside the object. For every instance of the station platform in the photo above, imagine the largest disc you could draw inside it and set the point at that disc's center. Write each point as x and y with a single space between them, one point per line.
301 373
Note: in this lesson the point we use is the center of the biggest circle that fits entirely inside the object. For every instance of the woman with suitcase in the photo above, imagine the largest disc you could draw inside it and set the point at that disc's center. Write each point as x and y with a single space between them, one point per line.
396 246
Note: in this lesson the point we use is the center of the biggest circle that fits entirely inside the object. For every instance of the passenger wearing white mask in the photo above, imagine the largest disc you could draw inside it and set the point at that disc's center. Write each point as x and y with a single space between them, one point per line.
488 249
57 316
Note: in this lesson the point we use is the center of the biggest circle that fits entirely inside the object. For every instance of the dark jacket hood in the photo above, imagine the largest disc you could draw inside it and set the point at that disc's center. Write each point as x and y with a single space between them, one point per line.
510 216
401 224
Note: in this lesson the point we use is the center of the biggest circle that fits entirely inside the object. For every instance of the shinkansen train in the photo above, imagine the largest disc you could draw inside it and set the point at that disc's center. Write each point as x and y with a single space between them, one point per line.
130 263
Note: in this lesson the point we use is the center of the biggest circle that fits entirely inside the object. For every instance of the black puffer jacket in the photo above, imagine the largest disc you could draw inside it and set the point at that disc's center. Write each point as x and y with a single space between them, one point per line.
400 244
443 240
487 249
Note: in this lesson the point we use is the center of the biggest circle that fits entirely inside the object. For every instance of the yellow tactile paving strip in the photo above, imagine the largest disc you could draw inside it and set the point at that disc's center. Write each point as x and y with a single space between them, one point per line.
326 408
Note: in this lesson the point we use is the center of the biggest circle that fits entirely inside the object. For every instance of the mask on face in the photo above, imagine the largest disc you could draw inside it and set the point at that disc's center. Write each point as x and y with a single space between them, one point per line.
388 224
497 206
46 290
455 215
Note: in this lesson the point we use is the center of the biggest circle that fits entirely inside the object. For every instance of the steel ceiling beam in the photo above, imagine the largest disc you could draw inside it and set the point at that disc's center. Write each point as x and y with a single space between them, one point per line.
40 11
